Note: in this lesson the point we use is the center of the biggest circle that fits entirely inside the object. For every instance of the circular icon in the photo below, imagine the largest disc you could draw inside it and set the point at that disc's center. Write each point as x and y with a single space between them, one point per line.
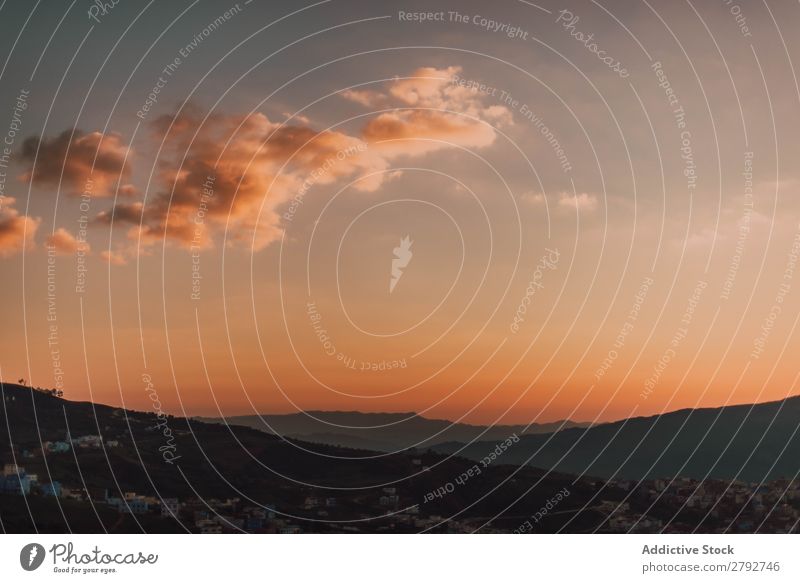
31 556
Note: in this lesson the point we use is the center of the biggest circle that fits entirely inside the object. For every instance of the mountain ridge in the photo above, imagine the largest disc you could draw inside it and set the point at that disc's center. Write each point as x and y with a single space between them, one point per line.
388 431
751 442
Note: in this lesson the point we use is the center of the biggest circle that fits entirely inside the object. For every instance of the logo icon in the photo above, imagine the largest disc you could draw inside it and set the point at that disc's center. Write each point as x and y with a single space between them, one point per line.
31 556
402 257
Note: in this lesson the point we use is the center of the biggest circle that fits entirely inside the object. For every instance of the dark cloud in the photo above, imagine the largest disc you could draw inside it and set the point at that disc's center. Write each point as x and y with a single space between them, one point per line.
73 158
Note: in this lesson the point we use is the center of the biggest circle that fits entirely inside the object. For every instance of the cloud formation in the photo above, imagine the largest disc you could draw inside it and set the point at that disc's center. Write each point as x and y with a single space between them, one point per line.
73 158
65 243
236 172
114 257
16 231
582 201
233 166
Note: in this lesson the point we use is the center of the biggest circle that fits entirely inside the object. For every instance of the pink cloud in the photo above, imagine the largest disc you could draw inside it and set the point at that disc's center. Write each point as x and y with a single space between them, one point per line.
16 231
65 243
239 171
582 201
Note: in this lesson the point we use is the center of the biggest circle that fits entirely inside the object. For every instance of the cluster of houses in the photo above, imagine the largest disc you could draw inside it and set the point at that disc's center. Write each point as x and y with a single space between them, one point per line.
206 516
82 442
723 506
15 480
648 506
67 445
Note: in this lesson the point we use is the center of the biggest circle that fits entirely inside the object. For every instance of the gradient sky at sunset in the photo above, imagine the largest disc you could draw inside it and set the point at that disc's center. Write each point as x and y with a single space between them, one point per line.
291 147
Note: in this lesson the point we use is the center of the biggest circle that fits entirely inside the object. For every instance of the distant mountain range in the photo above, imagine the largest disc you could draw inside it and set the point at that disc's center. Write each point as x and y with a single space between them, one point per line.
117 451
321 488
748 442
382 431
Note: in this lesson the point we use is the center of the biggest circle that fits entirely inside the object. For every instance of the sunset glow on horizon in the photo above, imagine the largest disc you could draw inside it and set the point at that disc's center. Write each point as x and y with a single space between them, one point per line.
506 220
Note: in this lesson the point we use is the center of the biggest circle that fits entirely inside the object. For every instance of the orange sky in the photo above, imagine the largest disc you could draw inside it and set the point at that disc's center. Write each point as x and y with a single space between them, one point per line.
580 245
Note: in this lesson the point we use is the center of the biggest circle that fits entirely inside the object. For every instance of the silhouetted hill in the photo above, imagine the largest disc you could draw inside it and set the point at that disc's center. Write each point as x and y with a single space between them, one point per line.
381 431
748 442
213 462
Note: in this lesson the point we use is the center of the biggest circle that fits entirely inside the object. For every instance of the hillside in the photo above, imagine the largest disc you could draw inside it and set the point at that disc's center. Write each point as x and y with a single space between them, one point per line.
746 442
313 487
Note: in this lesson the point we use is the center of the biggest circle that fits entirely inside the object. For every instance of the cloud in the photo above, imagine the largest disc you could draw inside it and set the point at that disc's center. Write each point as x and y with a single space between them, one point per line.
432 88
416 132
426 86
582 201
114 258
236 173
16 231
299 117
534 198
65 243
128 190
124 212
365 98
701 239
73 158
432 113
566 201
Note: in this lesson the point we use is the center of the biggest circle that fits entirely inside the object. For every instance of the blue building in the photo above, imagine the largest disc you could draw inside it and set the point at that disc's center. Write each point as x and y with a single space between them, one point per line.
17 484
52 489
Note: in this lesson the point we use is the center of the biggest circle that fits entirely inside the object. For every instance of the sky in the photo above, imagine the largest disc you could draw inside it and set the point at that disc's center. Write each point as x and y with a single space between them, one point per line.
516 212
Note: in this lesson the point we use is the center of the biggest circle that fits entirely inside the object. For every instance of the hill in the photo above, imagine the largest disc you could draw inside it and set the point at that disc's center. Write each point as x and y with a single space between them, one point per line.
381 431
745 442
230 476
